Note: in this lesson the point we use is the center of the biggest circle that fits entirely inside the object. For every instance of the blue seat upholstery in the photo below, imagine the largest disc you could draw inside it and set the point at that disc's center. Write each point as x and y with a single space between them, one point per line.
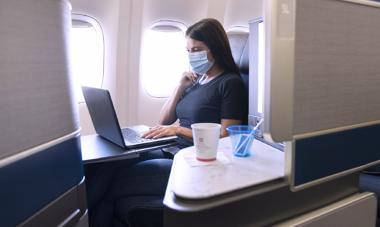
31 183
371 182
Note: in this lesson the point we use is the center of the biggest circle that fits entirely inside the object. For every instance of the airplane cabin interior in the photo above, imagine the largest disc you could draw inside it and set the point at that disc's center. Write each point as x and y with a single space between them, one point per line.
75 74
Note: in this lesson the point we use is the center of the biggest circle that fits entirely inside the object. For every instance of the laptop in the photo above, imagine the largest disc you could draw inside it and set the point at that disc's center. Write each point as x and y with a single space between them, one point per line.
106 123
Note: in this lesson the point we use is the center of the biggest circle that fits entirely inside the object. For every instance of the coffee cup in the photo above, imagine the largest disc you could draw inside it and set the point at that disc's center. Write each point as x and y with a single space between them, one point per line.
206 139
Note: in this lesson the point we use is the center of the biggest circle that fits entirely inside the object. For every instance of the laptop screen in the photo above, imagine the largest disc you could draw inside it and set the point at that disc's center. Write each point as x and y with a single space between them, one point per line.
103 115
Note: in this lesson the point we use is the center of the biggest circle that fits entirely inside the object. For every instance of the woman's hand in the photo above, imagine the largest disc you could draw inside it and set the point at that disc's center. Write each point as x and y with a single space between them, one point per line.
188 79
161 131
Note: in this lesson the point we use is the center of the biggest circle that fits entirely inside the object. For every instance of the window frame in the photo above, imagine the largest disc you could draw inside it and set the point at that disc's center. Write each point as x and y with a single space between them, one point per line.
83 18
238 29
158 25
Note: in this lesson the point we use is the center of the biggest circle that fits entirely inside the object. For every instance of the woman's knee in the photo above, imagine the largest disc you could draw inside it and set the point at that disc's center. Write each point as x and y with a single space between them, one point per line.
153 167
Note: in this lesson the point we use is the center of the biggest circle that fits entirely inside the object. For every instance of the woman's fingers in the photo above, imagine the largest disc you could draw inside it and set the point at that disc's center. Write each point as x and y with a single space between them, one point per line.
188 78
151 132
159 134
155 134
159 131
194 77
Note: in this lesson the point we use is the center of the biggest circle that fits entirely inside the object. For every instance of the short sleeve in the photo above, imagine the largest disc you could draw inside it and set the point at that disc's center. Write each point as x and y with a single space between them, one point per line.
234 103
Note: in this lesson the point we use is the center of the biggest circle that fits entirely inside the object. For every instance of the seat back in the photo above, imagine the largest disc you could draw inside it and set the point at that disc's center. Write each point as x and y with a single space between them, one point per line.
41 172
240 53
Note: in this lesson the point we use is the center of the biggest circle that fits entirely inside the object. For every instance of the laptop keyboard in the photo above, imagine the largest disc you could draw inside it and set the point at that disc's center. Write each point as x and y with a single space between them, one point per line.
132 136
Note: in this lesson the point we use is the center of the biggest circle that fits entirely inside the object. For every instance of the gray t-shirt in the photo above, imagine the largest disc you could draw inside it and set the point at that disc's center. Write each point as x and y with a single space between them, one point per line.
224 97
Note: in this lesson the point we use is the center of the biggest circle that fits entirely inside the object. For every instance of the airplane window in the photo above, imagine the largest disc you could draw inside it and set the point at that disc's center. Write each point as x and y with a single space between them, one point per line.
87 54
164 58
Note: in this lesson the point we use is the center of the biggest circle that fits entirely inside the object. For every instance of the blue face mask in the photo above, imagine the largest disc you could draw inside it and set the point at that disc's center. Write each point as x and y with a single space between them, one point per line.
199 62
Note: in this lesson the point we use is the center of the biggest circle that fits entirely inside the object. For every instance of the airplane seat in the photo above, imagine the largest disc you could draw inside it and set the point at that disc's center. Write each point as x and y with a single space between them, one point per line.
41 170
240 53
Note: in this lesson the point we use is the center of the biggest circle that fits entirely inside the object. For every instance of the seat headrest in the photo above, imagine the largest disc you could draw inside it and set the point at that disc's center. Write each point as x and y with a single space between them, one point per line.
240 50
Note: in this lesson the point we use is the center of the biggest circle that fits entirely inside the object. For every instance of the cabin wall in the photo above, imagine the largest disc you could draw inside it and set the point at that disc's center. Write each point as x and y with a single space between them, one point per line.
239 12
107 14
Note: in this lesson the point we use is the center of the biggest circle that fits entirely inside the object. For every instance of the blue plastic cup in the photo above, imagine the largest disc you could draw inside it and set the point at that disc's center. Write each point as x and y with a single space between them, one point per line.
242 137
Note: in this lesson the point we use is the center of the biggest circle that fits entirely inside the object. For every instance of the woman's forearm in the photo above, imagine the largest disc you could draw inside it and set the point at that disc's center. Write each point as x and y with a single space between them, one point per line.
184 132
168 115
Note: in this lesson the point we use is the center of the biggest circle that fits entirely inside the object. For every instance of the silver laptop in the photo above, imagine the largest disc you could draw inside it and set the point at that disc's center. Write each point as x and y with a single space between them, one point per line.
103 115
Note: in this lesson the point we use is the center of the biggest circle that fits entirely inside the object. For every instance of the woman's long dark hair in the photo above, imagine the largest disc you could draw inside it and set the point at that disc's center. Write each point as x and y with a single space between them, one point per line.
211 32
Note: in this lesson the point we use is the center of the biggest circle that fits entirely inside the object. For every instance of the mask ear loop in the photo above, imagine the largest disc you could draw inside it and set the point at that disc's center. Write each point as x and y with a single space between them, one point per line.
200 81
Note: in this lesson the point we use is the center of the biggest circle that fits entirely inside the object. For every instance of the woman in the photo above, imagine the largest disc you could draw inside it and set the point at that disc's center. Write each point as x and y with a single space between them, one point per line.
212 92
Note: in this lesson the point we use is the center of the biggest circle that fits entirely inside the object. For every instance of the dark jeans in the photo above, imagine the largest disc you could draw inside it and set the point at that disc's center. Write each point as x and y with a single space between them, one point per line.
126 185
141 189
